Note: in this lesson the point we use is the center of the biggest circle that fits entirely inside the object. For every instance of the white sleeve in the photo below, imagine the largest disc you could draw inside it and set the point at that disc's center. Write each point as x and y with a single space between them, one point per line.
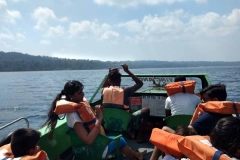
169 157
72 118
167 104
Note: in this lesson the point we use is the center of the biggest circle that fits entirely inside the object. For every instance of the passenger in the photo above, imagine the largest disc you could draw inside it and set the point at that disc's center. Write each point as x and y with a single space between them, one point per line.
223 139
73 91
114 79
225 136
182 131
181 103
23 146
205 123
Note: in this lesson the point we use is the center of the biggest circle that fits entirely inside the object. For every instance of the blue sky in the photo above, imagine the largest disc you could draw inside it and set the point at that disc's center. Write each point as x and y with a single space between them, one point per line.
169 30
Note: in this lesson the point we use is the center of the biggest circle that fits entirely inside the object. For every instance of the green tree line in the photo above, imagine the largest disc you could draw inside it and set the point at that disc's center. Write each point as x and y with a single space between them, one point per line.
14 61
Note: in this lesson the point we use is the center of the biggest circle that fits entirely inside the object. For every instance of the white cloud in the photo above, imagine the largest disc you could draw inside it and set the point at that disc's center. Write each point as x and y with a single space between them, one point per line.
201 1
126 3
7 15
45 42
173 27
5 36
54 31
86 29
20 37
43 15
63 19
109 35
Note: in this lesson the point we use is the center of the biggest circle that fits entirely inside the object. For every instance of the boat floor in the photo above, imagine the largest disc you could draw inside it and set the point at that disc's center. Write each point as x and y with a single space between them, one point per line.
131 143
141 147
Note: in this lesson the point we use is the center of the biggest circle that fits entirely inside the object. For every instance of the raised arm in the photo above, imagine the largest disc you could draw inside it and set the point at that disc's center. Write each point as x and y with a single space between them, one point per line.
138 82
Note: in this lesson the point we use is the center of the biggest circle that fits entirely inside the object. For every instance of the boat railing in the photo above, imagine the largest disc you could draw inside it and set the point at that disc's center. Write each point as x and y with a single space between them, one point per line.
19 119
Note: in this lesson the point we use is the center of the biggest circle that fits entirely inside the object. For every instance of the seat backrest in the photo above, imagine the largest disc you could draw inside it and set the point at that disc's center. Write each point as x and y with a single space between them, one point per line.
177 120
6 139
116 120
60 142
94 151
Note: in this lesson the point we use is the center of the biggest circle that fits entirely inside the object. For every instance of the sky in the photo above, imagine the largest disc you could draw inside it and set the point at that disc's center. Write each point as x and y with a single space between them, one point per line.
118 30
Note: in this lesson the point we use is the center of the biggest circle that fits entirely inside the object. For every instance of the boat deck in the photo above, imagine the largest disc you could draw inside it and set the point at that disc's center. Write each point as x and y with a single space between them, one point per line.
141 147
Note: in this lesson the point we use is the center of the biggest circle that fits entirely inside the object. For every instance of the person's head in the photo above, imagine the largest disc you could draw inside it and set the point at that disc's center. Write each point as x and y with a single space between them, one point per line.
114 77
24 142
179 78
185 131
225 136
73 91
214 92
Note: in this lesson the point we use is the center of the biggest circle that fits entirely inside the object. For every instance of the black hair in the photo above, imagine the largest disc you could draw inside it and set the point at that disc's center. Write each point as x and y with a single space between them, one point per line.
215 91
114 76
225 136
23 140
185 131
69 89
179 78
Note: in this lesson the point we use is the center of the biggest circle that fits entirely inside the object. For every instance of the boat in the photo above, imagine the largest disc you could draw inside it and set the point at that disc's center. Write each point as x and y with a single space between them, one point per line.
151 95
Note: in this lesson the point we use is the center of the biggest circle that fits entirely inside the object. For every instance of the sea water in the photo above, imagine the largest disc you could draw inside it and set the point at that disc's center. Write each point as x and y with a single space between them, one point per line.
30 94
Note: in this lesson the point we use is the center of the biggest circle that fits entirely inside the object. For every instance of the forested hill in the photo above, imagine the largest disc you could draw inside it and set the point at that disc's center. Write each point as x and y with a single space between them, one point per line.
14 61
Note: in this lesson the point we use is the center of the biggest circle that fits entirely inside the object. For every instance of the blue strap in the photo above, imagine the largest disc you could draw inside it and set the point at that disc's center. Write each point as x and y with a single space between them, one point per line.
217 155
235 109
86 124
183 88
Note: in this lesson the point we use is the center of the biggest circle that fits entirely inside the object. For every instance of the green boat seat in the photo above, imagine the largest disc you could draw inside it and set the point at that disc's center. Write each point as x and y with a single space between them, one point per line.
94 151
177 120
116 120
60 142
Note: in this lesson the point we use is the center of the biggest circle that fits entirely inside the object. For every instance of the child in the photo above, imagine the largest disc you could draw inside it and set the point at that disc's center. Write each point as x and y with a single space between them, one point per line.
23 146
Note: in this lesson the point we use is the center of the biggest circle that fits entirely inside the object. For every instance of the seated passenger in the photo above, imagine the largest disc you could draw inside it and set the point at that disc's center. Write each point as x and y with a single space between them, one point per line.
225 136
205 122
114 79
73 92
181 103
182 131
222 143
23 146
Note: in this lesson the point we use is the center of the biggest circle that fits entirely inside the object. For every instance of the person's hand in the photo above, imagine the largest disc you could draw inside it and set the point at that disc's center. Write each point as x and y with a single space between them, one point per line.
125 67
99 112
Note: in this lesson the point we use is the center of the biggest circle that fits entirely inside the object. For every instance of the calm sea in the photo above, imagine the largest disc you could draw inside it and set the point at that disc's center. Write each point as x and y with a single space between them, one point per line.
29 94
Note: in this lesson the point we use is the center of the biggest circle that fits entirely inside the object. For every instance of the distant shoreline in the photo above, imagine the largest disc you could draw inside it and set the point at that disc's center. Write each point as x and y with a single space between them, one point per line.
17 62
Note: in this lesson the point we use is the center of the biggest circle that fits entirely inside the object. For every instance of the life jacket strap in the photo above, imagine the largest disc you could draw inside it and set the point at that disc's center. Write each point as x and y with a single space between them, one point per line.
217 155
235 109
183 88
86 124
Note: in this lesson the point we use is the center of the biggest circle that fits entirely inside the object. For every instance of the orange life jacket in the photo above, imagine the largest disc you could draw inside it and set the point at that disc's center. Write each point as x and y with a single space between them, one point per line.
166 142
199 148
220 107
6 152
83 108
113 97
183 86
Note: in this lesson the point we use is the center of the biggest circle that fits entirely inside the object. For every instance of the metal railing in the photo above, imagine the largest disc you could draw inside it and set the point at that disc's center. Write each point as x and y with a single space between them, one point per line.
22 118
